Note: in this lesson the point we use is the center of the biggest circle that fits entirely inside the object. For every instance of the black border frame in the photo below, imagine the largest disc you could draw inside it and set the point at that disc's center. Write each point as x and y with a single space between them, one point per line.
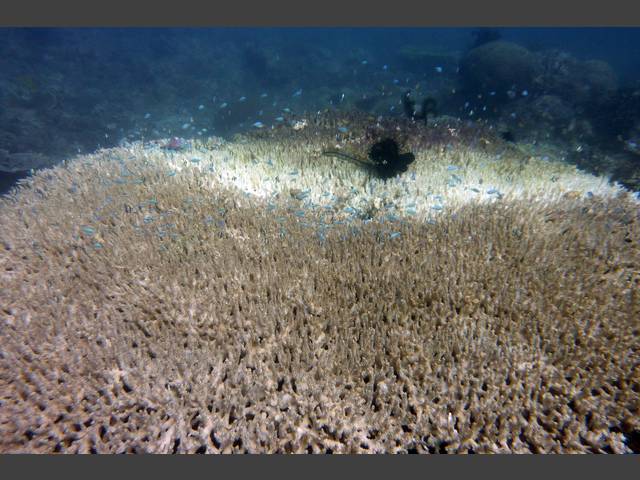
318 466
303 13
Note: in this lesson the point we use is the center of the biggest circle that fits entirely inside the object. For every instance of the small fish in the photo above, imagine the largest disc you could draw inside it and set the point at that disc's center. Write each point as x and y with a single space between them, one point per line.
242 99
224 105
88 230
438 69
466 105
286 110
492 93
396 81
97 245
302 195
200 107
185 126
364 62
299 213
350 210
147 115
258 124
393 235
385 67
493 191
172 173
297 93
195 160
437 208
525 93
341 98
264 95
279 119
343 129
451 168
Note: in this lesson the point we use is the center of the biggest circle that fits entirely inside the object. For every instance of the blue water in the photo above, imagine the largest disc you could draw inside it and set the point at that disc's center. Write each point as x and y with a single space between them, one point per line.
69 91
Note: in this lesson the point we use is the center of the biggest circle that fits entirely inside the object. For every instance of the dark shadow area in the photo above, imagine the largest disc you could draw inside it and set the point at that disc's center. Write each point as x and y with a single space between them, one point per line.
9 179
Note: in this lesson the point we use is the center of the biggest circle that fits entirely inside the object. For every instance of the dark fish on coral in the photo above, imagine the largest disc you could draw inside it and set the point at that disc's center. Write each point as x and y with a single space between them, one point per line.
384 159
409 106
508 136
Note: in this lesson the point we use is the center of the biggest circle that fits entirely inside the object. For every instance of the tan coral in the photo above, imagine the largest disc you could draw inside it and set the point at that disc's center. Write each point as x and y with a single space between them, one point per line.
511 326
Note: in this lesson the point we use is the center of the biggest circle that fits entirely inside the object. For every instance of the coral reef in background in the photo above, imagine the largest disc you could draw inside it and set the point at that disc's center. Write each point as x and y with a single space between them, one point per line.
498 66
56 100
254 296
581 82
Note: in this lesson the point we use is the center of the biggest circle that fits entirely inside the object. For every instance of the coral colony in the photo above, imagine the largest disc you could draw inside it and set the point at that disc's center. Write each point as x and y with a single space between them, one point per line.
450 269
257 295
